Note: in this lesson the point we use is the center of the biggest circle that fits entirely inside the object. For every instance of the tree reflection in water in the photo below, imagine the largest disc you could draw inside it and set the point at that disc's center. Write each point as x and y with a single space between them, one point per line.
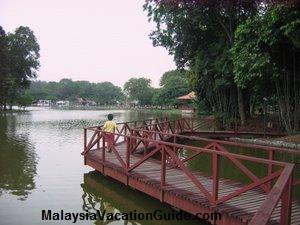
103 193
17 159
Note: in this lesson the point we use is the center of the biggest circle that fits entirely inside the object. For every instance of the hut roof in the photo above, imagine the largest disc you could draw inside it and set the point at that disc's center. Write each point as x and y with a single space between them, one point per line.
191 95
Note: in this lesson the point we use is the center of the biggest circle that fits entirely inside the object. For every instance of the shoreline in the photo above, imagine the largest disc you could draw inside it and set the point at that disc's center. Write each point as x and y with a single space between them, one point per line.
268 142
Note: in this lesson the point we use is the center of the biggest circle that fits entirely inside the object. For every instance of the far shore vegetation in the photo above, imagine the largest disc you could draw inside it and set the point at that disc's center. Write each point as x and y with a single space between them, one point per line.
240 59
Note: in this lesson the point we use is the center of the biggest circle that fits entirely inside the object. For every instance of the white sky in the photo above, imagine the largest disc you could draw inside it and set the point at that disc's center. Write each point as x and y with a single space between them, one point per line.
94 40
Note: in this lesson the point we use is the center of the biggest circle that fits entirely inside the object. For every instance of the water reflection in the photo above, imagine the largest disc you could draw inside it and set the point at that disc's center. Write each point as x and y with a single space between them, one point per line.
103 193
230 171
17 159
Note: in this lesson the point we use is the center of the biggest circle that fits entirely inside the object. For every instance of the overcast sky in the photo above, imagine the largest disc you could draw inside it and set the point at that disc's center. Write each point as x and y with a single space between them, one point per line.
94 40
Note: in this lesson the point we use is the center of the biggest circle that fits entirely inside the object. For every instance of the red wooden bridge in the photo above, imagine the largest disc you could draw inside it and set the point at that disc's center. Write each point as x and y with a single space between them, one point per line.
152 155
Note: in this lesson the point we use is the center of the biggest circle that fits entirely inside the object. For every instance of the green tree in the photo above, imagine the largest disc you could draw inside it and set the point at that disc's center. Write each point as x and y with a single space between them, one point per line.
107 93
173 84
66 89
22 61
139 89
265 55
200 35
24 100
3 68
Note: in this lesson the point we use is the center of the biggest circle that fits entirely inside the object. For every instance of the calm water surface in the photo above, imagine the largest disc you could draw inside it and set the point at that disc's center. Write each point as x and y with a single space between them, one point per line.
41 168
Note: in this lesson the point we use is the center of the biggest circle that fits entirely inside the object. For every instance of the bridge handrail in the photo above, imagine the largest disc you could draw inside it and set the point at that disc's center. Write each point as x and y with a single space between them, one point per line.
165 148
232 143
270 149
128 122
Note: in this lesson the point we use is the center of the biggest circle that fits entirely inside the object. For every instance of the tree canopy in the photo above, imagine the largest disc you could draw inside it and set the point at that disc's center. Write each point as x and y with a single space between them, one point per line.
232 49
66 89
19 63
173 84
265 56
139 89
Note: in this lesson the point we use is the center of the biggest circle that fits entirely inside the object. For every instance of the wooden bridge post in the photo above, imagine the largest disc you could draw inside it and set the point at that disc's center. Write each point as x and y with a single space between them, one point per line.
173 164
215 175
286 203
162 173
85 139
103 148
98 142
128 150
270 167
163 168
84 144
125 131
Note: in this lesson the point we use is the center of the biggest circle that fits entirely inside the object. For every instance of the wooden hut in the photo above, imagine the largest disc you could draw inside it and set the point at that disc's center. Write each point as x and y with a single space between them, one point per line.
186 102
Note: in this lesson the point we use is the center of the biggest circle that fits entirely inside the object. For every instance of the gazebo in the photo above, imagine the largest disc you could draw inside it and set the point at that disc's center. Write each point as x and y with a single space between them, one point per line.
185 102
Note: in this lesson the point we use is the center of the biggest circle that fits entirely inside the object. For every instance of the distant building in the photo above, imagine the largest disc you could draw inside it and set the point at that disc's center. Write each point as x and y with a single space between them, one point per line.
86 102
186 102
44 103
63 103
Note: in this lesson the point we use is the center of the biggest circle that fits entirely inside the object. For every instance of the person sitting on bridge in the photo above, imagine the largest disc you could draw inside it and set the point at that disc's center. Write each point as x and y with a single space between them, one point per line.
110 127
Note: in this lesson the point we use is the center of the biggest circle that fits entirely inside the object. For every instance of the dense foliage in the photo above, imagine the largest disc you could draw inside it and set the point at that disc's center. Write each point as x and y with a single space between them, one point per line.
233 50
266 60
66 89
19 61
172 85
139 90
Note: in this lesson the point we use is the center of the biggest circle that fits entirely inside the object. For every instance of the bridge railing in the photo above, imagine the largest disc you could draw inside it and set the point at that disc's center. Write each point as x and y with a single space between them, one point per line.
281 177
170 130
225 146
94 136
160 125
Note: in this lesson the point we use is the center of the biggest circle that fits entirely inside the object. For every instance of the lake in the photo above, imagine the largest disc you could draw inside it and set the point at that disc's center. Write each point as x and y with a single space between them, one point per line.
41 168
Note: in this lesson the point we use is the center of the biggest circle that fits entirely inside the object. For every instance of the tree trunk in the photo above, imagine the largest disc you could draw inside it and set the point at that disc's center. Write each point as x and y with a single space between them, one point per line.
241 106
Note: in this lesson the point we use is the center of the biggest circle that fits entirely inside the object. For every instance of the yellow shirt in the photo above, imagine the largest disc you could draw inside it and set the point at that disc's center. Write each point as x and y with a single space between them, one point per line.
110 126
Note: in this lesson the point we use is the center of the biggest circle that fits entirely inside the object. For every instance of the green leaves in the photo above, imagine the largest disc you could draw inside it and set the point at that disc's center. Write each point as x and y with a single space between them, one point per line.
258 44
173 84
20 55
104 93
139 89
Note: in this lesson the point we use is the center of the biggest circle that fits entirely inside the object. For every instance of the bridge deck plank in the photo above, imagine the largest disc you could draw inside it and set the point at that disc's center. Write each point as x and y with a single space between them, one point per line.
242 207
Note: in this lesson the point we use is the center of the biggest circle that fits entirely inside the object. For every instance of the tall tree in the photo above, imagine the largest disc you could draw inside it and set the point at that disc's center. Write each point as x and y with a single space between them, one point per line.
22 54
200 34
3 68
266 59
173 84
139 89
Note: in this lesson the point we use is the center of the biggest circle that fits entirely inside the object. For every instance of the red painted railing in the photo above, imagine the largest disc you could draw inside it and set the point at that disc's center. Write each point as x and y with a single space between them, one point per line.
187 126
162 136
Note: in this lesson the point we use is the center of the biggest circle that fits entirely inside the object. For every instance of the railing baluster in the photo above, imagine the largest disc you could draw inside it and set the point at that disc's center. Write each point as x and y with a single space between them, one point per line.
85 139
98 142
286 203
128 147
103 147
125 131
270 167
163 167
215 175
